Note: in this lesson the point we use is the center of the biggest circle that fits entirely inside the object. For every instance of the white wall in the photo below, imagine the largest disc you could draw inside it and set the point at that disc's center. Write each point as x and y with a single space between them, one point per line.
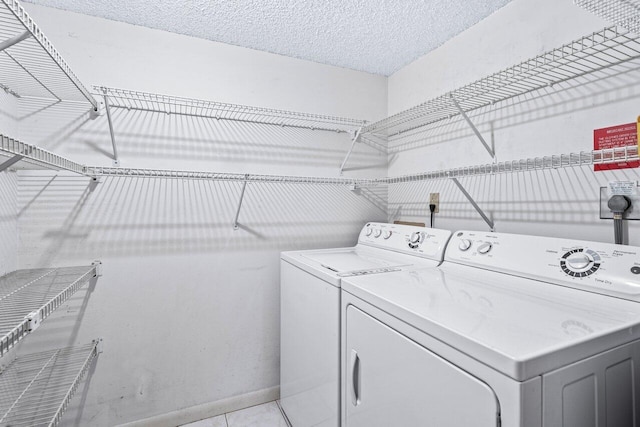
8 191
563 203
8 222
188 307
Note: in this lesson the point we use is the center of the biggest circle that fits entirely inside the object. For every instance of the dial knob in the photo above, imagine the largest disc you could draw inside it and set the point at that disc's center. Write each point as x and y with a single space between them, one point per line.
377 233
464 245
415 237
484 248
369 231
578 261
387 234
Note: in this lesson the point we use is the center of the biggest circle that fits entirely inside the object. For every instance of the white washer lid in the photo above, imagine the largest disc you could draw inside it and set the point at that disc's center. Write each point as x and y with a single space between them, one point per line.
520 327
357 259
333 264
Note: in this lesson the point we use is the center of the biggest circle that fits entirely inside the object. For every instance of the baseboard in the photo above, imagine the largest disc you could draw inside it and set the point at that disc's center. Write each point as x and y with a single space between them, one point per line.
208 410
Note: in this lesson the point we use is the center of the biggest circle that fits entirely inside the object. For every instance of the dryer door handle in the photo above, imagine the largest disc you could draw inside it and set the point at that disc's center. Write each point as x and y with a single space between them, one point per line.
355 378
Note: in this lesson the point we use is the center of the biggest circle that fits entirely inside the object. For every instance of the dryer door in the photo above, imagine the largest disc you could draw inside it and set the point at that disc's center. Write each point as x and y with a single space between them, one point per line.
392 381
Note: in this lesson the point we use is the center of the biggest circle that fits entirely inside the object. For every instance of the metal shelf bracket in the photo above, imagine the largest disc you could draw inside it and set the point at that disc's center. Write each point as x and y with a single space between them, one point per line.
99 345
244 187
7 164
356 138
15 159
14 40
474 204
98 265
116 160
473 127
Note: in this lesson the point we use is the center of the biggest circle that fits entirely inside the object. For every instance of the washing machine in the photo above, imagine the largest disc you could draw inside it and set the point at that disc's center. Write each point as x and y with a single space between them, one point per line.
310 311
510 330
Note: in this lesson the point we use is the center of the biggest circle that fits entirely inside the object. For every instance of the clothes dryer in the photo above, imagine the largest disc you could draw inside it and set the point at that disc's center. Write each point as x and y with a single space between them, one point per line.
310 311
511 331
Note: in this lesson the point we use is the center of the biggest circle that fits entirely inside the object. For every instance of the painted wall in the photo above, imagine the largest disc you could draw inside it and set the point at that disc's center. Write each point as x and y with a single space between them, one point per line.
188 308
8 222
561 119
8 191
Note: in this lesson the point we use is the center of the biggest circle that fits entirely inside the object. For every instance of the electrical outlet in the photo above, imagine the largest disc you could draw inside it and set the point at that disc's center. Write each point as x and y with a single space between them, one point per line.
434 199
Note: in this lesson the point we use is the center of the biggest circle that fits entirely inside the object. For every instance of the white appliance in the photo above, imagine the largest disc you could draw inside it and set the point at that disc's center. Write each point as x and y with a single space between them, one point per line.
310 311
511 331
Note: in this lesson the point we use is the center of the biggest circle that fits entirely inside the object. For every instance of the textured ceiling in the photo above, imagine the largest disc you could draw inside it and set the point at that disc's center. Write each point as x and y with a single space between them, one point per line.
377 36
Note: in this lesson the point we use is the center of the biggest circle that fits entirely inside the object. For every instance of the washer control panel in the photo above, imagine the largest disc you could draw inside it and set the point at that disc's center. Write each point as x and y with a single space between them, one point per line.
592 266
420 241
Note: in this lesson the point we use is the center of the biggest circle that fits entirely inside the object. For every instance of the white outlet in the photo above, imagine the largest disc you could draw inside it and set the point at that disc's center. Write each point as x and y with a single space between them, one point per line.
434 199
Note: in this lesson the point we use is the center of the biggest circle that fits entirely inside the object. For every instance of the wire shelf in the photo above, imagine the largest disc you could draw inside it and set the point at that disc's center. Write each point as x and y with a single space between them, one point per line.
29 64
27 297
52 161
598 51
216 176
31 156
143 101
36 389
583 158
625 13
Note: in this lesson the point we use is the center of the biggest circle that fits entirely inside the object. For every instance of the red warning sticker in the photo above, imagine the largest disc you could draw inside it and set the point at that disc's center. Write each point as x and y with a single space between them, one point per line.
614 137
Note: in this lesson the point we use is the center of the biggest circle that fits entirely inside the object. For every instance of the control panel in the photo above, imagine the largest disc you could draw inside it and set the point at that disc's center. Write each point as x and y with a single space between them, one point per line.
425 242
598 267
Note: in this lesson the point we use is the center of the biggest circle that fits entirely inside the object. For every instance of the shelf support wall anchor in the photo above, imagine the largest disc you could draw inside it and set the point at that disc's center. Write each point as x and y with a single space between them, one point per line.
474 204
473 127
14 40
356 138
116 159
244 187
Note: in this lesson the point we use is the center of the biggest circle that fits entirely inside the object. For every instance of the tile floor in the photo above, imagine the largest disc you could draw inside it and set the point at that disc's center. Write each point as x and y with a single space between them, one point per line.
266 415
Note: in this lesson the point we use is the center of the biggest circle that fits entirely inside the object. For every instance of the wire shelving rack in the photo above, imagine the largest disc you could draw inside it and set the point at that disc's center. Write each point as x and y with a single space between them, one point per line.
218 176
625 13
14 153
601 50
27 297
48 160
37 388
152 102
560 161
29 64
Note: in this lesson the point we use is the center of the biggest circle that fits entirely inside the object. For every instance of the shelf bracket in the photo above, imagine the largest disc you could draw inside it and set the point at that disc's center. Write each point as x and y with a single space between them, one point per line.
98 268
244 187
6 165
15 159
473 127
474 204
14 40
356 138
116 160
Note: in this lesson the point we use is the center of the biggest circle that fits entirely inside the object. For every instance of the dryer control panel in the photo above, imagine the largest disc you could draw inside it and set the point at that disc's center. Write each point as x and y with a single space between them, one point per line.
425 242
592 266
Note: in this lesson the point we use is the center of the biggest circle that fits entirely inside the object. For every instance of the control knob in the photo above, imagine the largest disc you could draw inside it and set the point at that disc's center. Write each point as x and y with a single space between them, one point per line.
387 234
377 233
580 262
415 239
464 244
484 248
369 231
